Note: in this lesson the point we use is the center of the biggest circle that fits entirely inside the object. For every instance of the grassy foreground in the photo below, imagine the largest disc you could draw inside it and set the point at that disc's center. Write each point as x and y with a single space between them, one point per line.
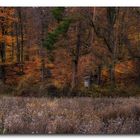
69 115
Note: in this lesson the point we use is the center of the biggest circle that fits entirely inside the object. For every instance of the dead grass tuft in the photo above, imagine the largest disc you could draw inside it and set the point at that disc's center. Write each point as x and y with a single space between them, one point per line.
69 115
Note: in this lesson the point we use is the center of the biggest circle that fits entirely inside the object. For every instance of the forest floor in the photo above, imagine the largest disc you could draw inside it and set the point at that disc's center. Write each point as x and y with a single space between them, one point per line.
81 115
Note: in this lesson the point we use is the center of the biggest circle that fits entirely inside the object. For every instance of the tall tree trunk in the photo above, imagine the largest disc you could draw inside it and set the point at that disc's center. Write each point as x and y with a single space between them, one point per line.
113 64
74 74
99 74
112 74
12 45
137 61
22 41
42 69
113 43
2 67
75 61
3 55
3 52
42 41
17 44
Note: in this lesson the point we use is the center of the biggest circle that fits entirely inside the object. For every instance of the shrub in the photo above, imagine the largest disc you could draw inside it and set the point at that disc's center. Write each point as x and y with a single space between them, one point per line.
6 89
26 87
108 91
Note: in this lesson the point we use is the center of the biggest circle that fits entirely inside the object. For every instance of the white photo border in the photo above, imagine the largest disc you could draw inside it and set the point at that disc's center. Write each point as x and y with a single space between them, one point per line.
70 3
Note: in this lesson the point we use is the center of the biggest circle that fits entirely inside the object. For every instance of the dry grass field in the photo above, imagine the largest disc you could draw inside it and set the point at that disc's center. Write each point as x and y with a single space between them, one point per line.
69 115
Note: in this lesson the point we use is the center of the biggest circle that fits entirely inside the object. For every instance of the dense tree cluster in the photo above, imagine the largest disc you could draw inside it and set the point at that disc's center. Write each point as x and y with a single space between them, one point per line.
65 45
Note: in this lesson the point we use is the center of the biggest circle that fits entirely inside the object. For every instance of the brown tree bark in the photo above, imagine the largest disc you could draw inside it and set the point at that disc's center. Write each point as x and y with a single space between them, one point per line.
22 41
75 61
17 44
99 74
12 44
3 55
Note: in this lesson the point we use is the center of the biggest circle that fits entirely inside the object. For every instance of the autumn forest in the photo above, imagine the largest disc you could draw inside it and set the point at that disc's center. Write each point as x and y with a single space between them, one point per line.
74 61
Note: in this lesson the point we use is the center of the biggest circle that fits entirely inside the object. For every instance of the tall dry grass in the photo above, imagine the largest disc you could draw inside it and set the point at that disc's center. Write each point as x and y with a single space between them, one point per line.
69 116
